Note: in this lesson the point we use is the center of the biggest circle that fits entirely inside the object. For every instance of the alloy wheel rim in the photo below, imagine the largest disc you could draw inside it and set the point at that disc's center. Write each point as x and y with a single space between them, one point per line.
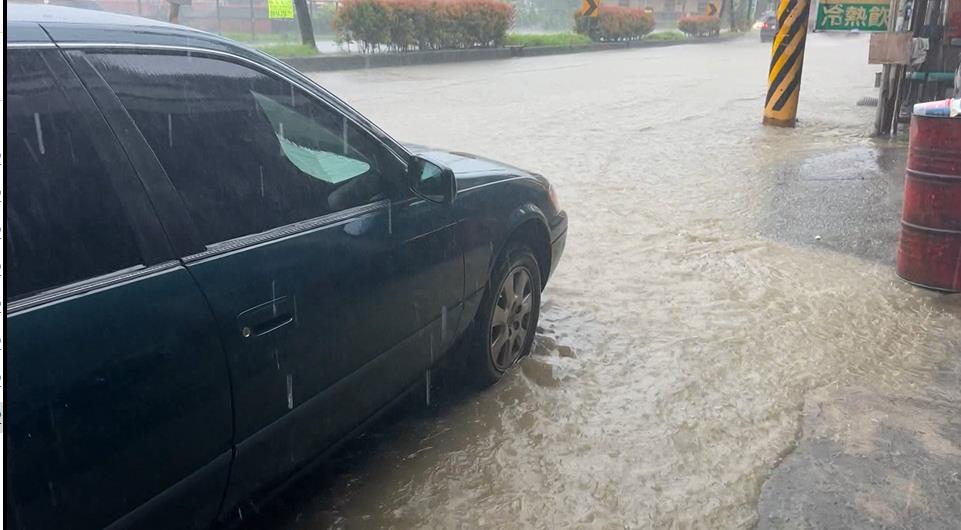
511 319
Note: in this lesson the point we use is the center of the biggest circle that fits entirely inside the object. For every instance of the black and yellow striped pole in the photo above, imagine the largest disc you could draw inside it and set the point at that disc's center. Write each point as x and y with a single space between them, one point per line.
787 59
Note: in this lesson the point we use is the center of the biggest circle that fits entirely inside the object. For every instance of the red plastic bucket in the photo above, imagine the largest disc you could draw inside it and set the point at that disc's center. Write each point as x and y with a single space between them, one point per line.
929 252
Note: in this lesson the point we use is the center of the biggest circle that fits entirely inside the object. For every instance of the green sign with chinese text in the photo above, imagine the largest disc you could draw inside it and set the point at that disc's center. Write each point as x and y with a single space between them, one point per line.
862 15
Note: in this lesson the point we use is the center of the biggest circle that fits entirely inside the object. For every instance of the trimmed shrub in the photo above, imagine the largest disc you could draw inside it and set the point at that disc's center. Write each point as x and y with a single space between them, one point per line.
287 50
402 25
666 35
699 25
616 23
547 39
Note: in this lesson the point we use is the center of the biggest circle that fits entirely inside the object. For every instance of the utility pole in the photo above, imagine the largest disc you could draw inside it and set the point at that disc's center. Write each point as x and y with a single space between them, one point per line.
253 36
173 16
787 60
306 25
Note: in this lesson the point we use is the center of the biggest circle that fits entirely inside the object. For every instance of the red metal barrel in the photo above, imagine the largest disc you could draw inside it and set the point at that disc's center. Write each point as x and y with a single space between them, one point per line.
929 253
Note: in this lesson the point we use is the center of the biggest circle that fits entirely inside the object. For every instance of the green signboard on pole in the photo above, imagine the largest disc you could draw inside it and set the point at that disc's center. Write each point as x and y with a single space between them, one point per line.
280 9
862 15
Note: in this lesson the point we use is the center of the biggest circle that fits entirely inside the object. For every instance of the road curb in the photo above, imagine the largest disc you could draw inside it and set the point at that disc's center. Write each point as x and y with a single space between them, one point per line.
326 63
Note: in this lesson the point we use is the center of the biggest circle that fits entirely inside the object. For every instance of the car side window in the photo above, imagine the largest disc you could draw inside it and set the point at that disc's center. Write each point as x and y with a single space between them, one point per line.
65 222
248 152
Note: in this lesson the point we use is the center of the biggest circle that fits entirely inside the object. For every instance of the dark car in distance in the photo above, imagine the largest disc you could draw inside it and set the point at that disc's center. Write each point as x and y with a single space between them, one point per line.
216 271
768 27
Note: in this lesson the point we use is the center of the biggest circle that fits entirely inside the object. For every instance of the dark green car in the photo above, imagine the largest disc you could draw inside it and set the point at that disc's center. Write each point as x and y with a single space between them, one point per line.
216 270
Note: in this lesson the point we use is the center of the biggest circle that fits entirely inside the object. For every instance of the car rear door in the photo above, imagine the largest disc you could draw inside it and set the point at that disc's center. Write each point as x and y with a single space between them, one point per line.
297 255
118 407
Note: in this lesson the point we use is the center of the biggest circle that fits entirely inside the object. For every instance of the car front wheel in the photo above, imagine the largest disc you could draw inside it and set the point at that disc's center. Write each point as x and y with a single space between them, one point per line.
507 318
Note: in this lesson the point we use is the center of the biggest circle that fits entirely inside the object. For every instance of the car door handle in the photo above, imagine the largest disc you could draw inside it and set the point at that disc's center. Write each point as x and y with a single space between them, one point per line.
267 317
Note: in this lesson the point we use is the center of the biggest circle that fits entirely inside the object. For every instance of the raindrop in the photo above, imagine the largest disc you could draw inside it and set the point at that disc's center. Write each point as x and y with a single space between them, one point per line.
36 123
290 392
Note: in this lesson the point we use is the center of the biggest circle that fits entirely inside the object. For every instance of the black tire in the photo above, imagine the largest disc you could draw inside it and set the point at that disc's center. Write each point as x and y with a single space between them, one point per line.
487 366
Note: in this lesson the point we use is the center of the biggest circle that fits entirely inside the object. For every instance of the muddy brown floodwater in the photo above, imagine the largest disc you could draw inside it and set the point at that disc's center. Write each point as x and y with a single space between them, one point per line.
716 272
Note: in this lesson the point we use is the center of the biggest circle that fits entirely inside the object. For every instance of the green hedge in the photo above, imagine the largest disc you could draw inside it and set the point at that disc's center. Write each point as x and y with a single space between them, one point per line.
287 50
616 23
699 25
666 35
402 25
547 39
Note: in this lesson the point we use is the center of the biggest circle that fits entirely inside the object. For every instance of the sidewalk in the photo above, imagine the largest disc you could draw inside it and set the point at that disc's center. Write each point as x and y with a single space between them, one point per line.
864 458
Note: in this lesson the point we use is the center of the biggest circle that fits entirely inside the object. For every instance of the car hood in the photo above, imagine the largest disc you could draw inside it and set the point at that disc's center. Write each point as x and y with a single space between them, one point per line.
469 169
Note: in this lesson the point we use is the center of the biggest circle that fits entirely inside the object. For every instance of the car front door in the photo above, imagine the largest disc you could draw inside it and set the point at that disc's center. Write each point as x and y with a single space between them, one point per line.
309 278
118 407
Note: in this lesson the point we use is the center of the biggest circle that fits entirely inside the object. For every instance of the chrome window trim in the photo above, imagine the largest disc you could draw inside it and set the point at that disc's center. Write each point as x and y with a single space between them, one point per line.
89 285
484 185
23 45
284 232
312 91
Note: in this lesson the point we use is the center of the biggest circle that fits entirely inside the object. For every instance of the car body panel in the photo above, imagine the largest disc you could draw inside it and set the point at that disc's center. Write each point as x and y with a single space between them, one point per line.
100 386
375 296
292 303
489 217
493 200
26 32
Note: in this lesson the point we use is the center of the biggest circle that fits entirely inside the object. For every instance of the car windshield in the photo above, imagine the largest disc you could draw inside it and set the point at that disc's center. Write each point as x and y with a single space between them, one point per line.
509 264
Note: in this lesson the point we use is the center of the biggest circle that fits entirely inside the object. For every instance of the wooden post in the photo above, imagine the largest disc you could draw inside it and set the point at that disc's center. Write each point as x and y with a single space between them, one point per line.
898 79
886 100
882 123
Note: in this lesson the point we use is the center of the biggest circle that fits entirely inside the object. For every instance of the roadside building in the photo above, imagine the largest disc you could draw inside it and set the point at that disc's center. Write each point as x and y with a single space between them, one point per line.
926 69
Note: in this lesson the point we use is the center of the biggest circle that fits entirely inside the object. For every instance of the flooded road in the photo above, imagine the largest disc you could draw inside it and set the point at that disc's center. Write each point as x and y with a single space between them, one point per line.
716 273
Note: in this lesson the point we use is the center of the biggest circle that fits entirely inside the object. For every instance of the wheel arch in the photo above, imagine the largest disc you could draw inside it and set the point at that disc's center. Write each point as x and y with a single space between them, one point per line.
528 225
